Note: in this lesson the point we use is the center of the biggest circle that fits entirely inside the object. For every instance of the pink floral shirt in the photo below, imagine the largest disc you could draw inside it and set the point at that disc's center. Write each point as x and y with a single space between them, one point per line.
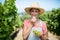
44 28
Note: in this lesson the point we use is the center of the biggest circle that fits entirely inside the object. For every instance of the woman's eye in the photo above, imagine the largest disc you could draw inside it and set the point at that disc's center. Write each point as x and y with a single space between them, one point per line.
36 11
32 11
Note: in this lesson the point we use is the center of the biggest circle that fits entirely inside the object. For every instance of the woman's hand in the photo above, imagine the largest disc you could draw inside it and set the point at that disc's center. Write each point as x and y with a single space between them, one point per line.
33 19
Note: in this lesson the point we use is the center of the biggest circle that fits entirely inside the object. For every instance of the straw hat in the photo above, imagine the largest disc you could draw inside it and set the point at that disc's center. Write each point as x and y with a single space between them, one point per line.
34 5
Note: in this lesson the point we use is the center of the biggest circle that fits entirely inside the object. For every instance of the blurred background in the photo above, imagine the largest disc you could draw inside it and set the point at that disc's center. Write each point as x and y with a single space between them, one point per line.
12 15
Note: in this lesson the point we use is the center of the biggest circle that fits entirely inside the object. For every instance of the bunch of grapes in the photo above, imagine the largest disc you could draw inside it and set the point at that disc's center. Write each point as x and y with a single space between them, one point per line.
36 32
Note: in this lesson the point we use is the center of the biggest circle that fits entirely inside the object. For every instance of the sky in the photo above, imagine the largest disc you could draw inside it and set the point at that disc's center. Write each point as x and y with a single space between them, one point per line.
45 4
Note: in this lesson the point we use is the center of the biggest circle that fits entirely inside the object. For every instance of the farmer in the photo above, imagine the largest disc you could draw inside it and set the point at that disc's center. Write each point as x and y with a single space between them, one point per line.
34 24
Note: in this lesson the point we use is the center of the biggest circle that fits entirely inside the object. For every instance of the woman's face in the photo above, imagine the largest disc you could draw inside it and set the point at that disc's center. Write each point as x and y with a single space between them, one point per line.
34 12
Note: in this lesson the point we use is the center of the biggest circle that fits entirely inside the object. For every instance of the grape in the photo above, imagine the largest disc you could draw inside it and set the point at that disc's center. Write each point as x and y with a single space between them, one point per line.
36 32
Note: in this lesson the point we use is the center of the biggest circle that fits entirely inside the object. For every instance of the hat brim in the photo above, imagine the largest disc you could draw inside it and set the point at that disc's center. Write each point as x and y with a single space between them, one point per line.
41 10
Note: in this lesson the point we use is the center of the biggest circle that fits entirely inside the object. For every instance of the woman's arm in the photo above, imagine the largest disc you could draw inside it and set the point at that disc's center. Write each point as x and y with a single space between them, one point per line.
26 31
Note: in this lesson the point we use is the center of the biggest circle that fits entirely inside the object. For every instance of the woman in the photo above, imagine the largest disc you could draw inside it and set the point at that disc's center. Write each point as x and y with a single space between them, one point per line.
34 24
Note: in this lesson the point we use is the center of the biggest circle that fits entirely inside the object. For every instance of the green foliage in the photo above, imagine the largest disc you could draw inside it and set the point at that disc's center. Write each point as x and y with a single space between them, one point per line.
19 22
52 20
9 19
25 16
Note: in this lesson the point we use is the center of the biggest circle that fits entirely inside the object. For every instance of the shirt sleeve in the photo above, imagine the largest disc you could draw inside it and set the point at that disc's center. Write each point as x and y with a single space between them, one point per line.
44 28
26 23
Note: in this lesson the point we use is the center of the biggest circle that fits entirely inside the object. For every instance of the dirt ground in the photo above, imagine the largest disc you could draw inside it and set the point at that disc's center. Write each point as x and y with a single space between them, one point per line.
50 36
53 37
